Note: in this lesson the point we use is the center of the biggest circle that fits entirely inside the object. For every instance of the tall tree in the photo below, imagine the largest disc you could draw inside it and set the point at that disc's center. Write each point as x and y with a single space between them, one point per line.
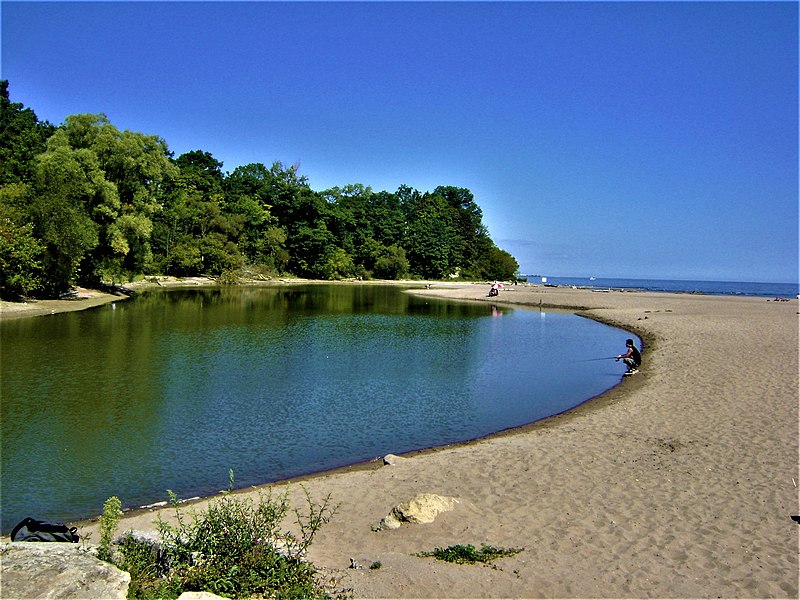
22 137
201 171
69 201
431 237
473 238
21 253
499 265
303 214
134 169
248 196
196 234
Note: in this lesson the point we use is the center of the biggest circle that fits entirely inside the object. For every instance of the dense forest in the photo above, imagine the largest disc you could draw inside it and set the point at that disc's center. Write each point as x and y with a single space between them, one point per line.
84 203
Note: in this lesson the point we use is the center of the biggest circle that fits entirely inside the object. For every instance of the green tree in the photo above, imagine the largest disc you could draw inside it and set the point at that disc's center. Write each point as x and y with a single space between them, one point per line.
128 171
22 137
261 240
369 253
86 201
392 265
307 248
431 237
70 200
194 234
364 222
498 265
303 213
201 172
473 241
21 259
335 263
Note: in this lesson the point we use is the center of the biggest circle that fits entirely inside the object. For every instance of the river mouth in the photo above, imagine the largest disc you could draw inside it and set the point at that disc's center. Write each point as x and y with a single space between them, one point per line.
172 389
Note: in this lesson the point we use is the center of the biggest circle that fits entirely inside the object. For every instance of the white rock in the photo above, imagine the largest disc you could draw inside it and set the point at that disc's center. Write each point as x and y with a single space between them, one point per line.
422 508
393 459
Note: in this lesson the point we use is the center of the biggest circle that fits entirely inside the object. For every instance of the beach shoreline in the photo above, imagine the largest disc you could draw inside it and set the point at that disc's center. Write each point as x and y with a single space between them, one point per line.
679 482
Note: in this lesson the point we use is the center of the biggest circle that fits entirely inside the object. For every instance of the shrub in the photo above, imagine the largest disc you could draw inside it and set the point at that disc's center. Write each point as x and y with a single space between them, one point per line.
236 547
229 277
112 512
150 577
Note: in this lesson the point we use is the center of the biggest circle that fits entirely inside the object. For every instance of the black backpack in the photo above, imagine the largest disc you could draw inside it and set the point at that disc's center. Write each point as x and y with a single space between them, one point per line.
31 530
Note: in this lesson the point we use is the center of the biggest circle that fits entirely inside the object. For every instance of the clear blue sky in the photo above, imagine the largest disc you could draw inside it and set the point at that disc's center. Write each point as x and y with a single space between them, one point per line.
654 140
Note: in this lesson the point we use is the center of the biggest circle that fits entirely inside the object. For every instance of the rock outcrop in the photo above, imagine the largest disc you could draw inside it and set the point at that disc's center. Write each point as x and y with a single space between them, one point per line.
58 570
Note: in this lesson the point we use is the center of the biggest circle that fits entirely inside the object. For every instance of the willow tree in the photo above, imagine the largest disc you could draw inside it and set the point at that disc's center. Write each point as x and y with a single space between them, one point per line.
132 169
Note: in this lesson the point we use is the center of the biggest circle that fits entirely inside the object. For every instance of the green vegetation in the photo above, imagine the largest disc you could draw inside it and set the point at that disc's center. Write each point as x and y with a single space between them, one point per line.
235 548
467 554
112 512
85 203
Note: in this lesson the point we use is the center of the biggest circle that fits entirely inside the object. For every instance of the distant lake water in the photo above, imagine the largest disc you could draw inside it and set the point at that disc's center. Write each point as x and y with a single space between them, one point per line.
171 389
716 288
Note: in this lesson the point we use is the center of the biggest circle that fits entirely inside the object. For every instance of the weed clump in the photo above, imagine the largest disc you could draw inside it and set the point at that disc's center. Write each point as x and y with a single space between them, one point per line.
467 554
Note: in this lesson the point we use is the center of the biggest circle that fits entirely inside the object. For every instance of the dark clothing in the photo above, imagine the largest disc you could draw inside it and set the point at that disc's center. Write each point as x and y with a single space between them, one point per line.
631 358
637 358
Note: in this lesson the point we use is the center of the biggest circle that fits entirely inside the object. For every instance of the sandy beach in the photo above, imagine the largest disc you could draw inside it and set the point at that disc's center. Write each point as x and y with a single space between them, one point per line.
678 483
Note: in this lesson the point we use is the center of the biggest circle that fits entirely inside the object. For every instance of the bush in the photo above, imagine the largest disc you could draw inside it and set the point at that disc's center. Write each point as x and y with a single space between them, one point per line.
236 547
229 277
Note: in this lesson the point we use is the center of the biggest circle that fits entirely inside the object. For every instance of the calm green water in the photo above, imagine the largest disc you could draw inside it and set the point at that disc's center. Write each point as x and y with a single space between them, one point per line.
170 390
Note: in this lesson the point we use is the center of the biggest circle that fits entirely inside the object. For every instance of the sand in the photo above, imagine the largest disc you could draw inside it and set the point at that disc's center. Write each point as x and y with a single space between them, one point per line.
81 300
678 483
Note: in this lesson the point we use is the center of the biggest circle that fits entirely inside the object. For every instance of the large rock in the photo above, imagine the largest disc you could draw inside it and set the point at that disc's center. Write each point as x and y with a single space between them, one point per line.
422 508
58 570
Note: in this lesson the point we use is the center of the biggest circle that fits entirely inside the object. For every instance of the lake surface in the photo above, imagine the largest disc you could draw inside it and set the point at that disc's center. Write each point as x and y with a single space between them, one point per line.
683 286
172 389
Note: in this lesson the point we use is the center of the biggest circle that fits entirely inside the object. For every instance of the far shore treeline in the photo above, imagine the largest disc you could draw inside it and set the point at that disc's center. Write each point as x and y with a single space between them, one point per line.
84 203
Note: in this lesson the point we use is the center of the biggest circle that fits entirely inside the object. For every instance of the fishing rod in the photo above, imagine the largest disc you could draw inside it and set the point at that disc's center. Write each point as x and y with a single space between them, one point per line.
593 359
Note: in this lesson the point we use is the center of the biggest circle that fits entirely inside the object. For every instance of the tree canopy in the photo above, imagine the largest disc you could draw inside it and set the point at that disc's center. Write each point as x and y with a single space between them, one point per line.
84 203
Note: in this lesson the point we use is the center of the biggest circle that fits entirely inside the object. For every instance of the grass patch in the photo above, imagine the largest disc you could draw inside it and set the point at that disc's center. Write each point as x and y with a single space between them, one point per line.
468 554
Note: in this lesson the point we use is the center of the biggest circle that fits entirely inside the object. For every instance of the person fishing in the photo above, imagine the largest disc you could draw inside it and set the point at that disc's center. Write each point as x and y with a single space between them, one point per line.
632 358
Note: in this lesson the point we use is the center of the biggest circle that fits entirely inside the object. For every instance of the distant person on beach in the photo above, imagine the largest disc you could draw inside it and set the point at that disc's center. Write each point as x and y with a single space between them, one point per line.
631 358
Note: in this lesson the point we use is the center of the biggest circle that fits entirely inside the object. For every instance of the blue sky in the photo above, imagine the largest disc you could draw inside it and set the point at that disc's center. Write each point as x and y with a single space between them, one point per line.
619 139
